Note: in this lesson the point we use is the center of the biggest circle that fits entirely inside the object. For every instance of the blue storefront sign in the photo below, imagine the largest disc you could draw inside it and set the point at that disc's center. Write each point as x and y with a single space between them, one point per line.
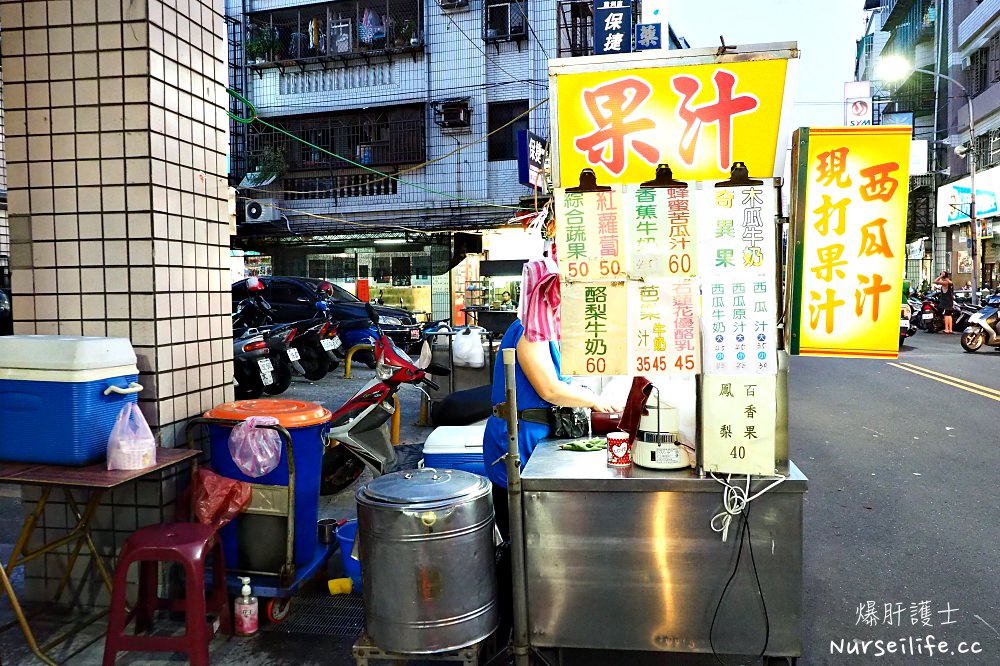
531 152
612 26
648 36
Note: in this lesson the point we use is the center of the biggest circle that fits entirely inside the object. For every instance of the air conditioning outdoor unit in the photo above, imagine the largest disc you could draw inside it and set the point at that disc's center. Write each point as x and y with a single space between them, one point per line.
262 210
966 63
453 114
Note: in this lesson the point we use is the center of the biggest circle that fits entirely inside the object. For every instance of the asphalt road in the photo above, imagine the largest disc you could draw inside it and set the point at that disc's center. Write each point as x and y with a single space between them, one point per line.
902 500
901 511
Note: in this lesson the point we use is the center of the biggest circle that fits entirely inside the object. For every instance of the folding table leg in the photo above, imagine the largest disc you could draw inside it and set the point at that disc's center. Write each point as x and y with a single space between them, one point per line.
21 619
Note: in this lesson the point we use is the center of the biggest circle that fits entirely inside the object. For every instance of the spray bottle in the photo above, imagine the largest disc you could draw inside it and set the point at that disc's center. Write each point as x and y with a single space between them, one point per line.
246 611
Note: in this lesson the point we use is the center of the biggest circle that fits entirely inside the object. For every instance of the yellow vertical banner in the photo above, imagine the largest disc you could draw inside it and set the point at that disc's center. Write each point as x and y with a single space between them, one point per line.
594 328
590 235
851 191
663 327
738 414
661 232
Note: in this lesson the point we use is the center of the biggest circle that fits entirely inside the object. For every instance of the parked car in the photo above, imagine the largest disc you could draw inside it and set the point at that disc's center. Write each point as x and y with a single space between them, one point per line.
294 299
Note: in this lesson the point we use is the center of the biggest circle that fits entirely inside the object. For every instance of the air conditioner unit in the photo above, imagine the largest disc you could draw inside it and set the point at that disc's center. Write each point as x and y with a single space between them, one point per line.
966 63
262 210
453 4
453 114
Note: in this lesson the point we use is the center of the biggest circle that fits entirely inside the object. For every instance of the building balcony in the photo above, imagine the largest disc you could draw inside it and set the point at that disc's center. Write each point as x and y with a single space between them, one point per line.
977 27
332 32
382 137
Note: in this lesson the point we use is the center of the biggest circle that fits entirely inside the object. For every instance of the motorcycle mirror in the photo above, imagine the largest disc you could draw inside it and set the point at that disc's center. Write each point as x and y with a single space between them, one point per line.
372 314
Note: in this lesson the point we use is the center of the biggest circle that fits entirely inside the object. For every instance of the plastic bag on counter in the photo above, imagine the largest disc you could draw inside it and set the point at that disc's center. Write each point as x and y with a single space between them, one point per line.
467 349
131 444
216 500
256 451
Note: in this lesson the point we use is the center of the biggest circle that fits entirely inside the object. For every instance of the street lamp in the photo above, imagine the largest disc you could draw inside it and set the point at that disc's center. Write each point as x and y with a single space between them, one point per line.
896 68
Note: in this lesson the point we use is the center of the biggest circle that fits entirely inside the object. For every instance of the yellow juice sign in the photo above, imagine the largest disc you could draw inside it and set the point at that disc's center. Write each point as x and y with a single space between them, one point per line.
851 187
699 118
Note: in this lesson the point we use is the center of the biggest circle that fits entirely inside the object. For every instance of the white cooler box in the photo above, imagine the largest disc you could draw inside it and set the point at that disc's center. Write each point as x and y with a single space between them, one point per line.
456 447
60 396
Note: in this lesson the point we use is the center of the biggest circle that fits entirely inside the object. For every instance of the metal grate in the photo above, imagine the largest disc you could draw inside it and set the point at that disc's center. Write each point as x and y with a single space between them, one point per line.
342 615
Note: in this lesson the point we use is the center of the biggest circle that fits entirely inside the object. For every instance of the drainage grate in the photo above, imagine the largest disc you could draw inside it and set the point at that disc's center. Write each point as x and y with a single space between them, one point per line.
342 615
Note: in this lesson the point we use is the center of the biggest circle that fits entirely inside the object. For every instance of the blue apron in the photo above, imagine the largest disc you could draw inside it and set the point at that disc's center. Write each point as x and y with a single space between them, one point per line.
529 434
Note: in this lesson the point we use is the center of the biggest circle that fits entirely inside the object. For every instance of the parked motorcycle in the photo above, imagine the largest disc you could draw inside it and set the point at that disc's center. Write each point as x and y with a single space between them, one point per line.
984 327
252 370
284 358
359 435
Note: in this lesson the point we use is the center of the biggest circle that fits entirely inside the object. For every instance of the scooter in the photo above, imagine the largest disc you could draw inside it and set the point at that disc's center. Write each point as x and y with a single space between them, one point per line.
359 435
252 370
984 326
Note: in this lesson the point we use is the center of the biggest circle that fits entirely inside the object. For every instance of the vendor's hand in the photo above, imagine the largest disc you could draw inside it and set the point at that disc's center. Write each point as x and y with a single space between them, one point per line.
605 406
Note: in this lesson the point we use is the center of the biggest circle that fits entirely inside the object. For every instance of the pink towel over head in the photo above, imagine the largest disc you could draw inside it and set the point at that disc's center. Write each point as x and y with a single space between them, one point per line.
540 299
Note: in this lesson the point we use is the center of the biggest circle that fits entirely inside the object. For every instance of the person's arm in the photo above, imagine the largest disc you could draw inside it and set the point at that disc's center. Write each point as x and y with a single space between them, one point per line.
940 280
535 360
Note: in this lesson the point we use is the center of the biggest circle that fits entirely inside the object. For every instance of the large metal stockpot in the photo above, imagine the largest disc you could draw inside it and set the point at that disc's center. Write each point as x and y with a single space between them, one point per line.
427 560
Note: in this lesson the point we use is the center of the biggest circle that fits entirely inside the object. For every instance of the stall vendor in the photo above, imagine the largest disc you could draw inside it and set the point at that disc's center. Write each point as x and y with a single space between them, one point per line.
539 386
505 301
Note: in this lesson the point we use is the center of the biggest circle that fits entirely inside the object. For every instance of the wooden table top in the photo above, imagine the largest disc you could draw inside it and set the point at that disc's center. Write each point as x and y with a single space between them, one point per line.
88 476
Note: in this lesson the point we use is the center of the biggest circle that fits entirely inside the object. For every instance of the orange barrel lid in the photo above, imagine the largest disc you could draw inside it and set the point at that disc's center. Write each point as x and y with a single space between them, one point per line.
290 413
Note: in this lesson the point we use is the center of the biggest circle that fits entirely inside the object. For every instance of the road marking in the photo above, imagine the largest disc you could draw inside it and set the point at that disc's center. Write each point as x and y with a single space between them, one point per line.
979 387
929 374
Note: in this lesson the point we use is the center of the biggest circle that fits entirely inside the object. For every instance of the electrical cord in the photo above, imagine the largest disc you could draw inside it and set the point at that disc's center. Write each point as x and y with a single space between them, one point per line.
734 500
746 535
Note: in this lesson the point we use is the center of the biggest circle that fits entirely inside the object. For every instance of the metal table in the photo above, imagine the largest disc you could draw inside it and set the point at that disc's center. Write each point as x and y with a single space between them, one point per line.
95 479
625 559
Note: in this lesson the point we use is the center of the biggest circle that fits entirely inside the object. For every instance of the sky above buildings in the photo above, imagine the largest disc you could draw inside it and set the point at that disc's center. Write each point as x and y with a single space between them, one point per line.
826 32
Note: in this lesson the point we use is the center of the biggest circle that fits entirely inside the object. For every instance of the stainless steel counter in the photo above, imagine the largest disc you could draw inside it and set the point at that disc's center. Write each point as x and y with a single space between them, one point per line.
626 559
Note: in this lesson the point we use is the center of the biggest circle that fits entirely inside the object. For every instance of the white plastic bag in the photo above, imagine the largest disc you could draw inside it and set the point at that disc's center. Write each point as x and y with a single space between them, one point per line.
256 451
131 444
467 349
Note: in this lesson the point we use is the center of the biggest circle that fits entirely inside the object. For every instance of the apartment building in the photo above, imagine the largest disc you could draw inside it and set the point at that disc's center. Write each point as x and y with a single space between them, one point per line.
390 124
958 42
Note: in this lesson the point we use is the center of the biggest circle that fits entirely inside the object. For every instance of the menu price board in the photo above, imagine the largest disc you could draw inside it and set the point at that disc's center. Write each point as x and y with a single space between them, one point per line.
661 232
740 326
590 236
663 327
738 416
594 328
850 189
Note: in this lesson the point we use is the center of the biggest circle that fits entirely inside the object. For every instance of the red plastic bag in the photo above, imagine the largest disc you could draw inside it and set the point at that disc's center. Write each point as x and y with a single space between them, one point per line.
216 500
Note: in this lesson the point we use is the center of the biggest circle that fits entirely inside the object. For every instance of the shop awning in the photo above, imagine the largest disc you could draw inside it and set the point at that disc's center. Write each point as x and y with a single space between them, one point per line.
255 179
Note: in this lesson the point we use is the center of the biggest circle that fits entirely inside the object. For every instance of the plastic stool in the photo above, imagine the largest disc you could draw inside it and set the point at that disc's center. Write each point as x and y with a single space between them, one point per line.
186 543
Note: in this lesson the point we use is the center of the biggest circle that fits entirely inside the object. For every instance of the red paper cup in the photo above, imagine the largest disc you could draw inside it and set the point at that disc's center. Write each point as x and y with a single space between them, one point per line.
619 454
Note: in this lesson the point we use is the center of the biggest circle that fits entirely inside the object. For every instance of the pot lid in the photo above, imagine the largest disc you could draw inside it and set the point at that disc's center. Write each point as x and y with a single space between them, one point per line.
425 485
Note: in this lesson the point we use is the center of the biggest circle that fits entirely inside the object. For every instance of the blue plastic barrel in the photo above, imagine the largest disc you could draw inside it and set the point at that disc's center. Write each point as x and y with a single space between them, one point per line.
346 534
257 542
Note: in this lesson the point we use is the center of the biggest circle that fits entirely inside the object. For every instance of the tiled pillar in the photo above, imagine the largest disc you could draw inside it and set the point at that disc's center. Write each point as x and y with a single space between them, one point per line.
116 144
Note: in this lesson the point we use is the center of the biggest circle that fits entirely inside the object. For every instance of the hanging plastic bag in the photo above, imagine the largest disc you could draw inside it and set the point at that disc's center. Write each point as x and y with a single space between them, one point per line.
131 444
467 349
216 500
256 451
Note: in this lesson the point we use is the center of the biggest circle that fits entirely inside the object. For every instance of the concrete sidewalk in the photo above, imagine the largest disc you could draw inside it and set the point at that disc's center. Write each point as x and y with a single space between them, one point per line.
270 647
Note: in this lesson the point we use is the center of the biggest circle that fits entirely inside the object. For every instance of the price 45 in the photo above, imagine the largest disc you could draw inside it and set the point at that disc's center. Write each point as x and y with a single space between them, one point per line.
605 268
663 363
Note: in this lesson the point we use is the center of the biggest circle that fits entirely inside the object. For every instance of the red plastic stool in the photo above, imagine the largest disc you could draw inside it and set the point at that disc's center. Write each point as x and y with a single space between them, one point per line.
186 543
